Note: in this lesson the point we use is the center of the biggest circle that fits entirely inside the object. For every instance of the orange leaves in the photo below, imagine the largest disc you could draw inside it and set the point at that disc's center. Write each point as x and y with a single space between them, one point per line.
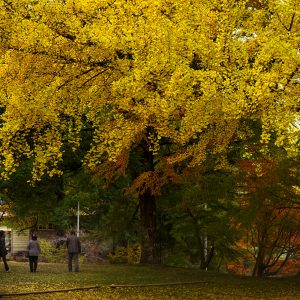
147 182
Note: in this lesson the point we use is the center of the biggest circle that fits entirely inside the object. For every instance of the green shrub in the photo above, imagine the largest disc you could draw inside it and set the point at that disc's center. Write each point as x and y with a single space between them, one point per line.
126 255
52 254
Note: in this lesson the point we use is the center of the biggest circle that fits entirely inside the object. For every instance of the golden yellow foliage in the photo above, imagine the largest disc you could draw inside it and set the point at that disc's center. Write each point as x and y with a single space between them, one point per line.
190 70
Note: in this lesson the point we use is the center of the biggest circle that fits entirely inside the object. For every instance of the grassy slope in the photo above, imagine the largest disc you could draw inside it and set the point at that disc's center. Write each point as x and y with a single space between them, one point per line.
220 286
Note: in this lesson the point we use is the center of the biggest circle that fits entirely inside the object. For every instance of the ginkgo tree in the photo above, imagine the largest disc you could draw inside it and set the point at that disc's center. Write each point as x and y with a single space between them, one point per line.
170 78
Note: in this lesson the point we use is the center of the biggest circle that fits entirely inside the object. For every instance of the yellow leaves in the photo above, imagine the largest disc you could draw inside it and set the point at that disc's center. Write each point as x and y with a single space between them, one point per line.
296 189
189 70
47 155
112 139
9 164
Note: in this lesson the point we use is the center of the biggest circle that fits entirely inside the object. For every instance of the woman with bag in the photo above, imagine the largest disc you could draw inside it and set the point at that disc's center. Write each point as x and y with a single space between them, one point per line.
34 250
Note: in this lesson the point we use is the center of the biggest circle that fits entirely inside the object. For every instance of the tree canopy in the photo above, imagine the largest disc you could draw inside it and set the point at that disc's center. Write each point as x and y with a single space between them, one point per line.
184 73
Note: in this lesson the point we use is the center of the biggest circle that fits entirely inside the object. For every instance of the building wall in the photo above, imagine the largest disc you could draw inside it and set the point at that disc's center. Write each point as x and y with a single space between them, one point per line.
15 241
19 241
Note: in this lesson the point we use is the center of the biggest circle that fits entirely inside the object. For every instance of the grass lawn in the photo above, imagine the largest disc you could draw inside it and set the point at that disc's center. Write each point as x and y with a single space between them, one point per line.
218 286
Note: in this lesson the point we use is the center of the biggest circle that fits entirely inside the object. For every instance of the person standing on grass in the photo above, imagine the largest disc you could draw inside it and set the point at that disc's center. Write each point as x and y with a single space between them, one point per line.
74 249
34 250
3 251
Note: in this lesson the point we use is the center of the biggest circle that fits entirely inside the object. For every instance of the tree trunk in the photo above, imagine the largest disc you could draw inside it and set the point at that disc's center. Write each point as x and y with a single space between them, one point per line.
147 204
148 228
259 267
260 270
206 257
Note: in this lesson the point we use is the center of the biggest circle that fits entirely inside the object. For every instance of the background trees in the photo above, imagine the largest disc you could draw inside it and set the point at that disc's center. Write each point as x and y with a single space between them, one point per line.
270 209
194 213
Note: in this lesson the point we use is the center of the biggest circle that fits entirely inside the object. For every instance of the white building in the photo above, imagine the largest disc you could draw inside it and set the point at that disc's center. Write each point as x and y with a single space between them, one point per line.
16 241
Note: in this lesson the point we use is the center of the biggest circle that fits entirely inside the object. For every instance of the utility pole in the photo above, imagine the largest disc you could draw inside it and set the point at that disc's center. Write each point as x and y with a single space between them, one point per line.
78 213
205 239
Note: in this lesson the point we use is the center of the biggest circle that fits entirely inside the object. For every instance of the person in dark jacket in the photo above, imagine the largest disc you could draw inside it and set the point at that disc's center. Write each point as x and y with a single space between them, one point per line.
3 251
74 249
34 250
